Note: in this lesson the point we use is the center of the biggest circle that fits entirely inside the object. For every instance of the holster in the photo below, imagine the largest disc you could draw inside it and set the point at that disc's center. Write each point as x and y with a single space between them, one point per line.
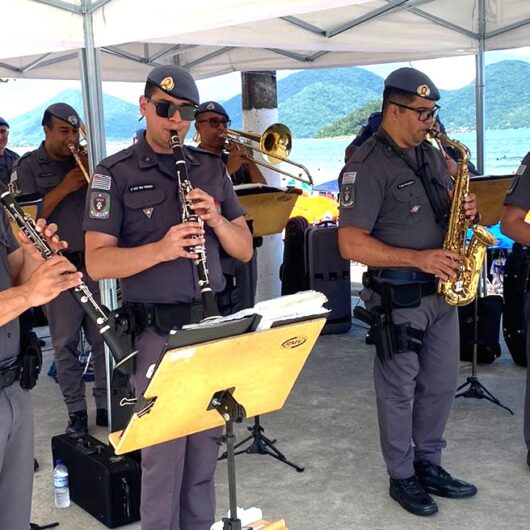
389 338
29 359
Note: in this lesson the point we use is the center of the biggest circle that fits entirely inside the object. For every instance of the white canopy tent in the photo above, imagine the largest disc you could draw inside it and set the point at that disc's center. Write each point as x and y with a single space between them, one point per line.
40 38
121 40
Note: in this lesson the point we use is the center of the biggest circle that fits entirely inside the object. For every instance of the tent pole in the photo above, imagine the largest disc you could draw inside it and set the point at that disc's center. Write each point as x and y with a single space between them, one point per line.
91 88
479 86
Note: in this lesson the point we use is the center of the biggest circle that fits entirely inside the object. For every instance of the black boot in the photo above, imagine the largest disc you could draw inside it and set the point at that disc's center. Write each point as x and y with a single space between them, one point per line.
78 423
102 418
436 480
528 459
410 494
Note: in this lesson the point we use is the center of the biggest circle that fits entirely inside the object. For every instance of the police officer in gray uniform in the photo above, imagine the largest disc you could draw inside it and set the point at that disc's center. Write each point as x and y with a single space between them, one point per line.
393 211
37 282
516 207
51 171
134 232
7 156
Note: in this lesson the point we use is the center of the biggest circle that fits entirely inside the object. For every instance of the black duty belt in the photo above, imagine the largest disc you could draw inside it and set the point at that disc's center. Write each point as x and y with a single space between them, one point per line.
164 317
402 275
407 294
9 375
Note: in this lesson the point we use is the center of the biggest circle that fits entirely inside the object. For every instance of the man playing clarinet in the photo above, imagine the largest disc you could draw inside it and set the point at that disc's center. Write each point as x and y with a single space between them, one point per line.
135 231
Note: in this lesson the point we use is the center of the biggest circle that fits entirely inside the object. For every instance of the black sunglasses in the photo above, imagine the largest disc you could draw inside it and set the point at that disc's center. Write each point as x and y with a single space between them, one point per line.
423 114
165 109
215 122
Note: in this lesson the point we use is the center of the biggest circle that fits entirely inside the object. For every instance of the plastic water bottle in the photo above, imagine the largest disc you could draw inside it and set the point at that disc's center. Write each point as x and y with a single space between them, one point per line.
61 491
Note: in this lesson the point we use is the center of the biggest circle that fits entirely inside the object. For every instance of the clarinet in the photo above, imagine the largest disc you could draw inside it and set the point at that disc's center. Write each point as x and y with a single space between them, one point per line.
209 305
123 357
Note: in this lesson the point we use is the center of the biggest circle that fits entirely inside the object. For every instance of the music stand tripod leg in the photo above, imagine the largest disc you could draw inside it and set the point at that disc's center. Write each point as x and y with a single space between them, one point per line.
476 388
262 445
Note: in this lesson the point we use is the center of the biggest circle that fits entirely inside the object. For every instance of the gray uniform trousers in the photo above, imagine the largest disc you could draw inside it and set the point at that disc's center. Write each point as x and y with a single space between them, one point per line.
178 489
415 392
66 317
16 457
527 395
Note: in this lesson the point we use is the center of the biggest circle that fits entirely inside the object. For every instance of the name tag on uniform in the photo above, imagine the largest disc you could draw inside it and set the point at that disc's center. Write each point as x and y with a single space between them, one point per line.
141 187
406 184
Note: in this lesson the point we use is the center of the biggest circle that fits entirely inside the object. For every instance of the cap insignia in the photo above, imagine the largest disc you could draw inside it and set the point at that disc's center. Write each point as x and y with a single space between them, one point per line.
167 84
72 120
423 91
210 106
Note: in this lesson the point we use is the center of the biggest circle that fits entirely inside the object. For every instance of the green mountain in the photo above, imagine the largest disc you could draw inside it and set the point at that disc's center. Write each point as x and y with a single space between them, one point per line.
327 102
310 99
121 119
507 101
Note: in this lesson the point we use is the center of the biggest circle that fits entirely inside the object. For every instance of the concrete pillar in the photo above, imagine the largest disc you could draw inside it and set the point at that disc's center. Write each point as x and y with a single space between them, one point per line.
260 109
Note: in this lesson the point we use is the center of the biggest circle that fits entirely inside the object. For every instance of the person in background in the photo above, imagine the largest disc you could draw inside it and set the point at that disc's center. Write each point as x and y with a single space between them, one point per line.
26 280
52 172
7 157
513 224
394 208
211 122
135 232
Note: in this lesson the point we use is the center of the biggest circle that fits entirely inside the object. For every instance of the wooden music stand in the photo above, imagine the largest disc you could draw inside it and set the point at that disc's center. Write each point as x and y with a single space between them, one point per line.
490 191
219 382
267 207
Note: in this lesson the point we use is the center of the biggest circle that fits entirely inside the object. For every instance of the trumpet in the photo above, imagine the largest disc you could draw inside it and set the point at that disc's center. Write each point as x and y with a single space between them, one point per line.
80 150
275 144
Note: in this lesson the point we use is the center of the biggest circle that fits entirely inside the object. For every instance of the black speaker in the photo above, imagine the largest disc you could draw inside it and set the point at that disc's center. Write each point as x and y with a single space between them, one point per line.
107 486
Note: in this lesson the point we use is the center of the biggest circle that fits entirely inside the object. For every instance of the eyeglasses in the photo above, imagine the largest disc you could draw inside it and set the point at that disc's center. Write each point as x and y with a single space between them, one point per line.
215 122
166 109
423 114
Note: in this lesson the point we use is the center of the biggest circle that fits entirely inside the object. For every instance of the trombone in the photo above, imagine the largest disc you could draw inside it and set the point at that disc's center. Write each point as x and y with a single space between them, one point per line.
275 143
78 150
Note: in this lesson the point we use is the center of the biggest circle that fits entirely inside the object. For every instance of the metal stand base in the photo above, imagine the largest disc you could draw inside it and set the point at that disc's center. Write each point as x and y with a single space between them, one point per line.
479 391
261 445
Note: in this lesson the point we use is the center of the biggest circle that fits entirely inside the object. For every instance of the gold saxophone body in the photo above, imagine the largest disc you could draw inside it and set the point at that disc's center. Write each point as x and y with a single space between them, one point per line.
462 289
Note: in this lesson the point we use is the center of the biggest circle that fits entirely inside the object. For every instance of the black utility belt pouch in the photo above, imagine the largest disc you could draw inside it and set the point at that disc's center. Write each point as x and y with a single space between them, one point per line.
389 338
124 324
29 359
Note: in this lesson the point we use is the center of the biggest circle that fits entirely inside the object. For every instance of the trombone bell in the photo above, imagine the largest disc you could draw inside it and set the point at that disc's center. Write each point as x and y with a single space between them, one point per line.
275 144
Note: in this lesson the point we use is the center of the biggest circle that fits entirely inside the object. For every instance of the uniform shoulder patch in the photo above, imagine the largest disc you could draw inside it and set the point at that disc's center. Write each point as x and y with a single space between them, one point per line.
101 182
99 205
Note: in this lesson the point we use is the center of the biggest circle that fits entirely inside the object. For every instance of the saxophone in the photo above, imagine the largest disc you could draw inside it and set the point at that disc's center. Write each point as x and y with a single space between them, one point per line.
462 289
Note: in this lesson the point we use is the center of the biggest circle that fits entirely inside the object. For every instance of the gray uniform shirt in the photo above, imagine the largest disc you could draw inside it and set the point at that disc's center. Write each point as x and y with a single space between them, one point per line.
9 333
381 193
519 192
36 172
134 197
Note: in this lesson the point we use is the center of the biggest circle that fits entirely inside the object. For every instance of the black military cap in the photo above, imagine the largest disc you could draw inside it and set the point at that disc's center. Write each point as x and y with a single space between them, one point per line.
212 106
64 112
3 123
176 82
414 82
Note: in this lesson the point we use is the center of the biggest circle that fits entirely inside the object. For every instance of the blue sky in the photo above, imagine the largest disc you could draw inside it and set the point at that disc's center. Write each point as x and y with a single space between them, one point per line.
20 95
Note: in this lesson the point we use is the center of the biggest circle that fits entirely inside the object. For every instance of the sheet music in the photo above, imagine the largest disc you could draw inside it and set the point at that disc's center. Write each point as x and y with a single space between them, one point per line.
302 305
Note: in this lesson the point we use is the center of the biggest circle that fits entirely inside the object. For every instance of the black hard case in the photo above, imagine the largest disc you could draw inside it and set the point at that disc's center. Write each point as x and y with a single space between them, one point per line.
312 260
105 485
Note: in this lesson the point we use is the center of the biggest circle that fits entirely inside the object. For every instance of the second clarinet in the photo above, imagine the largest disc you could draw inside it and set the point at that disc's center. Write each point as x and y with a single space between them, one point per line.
123 356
